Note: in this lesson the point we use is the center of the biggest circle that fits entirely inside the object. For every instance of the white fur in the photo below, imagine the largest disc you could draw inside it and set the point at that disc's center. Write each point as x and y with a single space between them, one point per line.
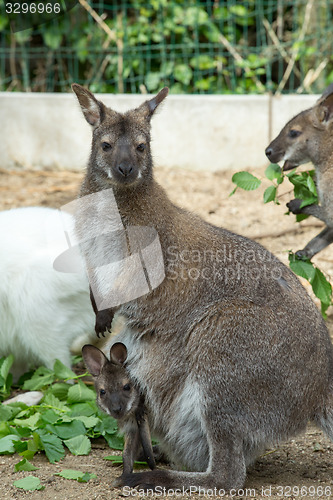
42 311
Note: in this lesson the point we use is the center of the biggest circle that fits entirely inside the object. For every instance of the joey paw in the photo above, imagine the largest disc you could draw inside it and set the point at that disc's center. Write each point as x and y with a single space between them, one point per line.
295 206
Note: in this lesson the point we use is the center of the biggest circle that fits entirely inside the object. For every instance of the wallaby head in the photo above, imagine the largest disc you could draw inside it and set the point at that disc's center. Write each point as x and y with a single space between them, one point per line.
120 154
116 394
306 137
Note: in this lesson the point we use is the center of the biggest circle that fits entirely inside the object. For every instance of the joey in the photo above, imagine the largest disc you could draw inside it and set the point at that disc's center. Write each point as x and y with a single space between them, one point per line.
118 396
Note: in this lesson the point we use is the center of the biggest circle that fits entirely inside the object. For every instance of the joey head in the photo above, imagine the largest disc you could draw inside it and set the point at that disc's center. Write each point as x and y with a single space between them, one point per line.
229 351
309 137
119 398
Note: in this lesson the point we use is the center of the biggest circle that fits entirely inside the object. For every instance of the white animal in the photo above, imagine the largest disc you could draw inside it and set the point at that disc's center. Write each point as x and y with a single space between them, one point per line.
42 311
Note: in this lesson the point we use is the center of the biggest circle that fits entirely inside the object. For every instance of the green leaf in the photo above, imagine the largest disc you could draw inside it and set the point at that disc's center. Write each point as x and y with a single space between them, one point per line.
114 441
52 445
320 285
68 430
25 465
270 194
31 422
79 445
58 406
5 366
311 185
52 38
63 372
7 444
115 459
153 80
30 483
41 378
88 422
246 181
79 393
274 171
183 73
77 475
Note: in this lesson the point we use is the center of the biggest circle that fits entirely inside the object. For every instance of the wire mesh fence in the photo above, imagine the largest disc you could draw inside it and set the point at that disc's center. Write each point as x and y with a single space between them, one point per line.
193 46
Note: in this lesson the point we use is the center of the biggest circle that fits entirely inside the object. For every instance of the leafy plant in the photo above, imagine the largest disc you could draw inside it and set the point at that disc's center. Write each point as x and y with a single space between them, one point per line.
66 417
304 189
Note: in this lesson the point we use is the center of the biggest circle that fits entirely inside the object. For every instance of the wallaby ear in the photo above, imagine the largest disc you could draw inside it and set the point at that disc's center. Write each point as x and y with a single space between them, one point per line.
93 110
148 108
324 110
118 353
94 359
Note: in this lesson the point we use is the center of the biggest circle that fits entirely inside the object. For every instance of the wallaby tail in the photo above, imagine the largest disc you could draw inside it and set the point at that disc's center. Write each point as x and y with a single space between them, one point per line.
325 420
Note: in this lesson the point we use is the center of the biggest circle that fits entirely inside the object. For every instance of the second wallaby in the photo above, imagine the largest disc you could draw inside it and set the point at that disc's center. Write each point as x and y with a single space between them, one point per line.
119 398
309 137
229 351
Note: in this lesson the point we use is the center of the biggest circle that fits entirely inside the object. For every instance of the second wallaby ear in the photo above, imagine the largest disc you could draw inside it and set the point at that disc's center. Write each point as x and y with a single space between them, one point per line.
94 359
325 109
92 109
118 353
148 108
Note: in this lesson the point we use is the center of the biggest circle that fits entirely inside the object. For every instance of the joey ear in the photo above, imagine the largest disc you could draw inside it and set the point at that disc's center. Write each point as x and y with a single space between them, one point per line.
93 110
118 353
148 108
94 359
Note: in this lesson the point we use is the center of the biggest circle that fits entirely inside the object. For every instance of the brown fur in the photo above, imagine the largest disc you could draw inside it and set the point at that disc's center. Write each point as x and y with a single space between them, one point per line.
229 351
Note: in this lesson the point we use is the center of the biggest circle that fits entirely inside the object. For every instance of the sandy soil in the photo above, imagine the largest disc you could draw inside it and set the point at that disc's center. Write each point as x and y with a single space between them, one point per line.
304 462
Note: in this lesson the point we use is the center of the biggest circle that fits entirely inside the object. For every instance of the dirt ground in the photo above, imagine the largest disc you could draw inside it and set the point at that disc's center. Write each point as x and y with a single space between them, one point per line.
300 468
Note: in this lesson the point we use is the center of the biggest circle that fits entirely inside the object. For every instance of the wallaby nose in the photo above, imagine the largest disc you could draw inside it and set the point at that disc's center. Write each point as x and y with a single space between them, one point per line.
268 152
125 169
116 410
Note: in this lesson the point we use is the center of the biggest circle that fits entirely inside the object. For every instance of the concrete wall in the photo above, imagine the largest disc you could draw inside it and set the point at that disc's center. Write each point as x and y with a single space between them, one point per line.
196 132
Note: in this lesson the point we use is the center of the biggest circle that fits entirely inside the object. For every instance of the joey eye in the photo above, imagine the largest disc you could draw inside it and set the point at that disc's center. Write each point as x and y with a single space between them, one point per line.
106 146
102 392
294 133
141 147
127 387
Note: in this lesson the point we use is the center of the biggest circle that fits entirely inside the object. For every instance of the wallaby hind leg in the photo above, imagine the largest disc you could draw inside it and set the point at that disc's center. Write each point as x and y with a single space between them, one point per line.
226 470
325 420
318 243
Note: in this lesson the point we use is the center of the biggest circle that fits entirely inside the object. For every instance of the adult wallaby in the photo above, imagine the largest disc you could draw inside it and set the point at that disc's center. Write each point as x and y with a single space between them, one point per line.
229 351
309 137
119 398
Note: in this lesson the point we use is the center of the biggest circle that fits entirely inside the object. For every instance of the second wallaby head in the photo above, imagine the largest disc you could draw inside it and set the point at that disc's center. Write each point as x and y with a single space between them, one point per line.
120 153
116 394
306 137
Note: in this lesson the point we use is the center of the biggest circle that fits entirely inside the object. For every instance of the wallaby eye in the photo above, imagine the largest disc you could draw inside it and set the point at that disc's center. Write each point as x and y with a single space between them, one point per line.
106 146
294 133
141 147
127 387
102 392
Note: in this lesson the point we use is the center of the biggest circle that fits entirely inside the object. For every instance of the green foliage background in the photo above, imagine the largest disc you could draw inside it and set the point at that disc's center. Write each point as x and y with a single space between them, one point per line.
193 46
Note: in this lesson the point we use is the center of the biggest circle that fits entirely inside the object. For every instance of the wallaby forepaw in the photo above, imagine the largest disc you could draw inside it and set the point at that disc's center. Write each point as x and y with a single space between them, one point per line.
303 255
103 322
295 206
